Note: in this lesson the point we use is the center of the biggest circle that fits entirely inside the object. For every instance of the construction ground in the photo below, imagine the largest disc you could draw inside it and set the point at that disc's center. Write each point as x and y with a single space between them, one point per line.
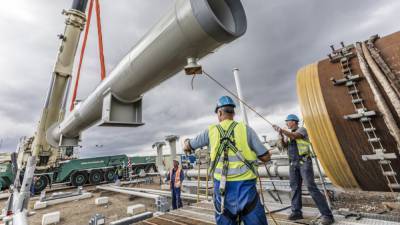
349 102
350 207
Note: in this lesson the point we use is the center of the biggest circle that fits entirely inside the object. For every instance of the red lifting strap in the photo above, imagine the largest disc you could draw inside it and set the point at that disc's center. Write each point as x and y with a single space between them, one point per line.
100 36
101 49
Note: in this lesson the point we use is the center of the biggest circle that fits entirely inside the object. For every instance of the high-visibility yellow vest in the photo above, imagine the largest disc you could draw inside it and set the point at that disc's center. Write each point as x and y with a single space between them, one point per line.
303 147
237 171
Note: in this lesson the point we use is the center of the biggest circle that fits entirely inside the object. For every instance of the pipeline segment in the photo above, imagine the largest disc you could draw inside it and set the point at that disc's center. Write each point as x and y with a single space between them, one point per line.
129 192
275 170
350 109
320 129
191 29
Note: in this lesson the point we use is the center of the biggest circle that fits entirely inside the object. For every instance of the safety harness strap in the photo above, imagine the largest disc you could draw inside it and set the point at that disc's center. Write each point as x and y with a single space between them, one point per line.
223 143
223 147
227 143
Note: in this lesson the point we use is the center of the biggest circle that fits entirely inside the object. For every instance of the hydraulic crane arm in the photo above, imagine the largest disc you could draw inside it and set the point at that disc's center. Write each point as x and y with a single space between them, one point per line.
54 107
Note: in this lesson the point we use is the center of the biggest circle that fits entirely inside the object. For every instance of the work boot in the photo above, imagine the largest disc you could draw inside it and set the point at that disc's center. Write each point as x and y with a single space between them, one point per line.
295 216
327 220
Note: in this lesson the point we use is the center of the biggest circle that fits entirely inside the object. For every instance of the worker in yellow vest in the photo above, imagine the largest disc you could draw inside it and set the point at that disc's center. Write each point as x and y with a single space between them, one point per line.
234 150
175 178
301 169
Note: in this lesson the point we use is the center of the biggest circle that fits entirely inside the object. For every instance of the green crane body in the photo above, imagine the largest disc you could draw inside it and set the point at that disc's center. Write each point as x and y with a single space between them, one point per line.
6 175
67 168
83 171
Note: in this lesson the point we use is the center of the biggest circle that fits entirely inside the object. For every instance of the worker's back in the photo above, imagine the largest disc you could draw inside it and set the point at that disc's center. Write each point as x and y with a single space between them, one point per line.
237 134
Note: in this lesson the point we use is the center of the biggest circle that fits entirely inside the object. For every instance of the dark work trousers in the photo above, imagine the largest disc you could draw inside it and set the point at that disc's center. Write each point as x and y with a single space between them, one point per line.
300 172
176 198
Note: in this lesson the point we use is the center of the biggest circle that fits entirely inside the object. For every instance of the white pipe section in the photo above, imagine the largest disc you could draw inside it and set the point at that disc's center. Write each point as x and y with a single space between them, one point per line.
275 171
192 28
240 95
133 219
129 192
164 193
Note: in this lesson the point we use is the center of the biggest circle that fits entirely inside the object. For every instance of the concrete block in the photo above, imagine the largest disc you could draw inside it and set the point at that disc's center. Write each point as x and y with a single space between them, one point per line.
69 199
39 205
51 218
136 209
101 201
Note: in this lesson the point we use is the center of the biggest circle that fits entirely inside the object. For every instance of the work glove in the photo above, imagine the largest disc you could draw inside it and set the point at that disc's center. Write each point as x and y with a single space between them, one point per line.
277 128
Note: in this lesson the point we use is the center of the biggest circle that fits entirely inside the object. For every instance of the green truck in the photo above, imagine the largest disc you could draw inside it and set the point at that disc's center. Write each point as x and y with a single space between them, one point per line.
78 172
6 175
145 163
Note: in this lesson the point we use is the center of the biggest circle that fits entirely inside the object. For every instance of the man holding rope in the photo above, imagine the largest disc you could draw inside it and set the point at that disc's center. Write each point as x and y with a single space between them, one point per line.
234 149
301 168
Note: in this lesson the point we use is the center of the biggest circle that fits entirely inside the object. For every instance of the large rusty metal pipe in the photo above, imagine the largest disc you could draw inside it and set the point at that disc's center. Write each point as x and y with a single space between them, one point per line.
191 29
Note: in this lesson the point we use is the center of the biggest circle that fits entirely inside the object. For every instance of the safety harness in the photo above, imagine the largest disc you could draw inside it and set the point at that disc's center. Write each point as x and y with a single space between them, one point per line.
227 143
304 150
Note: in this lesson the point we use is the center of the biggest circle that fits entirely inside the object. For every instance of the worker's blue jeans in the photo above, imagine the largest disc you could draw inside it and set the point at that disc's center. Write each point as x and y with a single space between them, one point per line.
176 198
303 171
238 194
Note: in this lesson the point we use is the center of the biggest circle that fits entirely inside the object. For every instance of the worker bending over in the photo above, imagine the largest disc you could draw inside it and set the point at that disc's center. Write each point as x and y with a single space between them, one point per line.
234 149
175 177
301 168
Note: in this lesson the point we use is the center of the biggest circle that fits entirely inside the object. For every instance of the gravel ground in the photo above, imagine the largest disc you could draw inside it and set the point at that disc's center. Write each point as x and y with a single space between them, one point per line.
368 202
80 212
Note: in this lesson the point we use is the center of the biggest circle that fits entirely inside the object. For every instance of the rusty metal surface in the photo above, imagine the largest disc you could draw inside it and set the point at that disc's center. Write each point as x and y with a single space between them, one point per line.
351 136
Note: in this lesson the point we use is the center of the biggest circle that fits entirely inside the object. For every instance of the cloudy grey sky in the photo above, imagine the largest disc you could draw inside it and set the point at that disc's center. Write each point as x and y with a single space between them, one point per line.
282 36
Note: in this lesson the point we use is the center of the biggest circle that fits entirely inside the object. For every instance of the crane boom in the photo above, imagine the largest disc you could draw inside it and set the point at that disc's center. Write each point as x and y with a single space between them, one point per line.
53 110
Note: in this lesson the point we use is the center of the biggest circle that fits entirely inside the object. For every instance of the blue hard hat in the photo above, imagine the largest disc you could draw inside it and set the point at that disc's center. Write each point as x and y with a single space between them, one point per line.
224 101
292 117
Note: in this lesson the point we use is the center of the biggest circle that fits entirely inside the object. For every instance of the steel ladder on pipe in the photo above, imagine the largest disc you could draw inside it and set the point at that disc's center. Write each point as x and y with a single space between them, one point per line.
364 116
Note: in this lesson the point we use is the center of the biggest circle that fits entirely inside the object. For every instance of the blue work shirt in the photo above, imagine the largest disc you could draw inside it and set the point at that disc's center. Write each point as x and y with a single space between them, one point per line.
293 152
